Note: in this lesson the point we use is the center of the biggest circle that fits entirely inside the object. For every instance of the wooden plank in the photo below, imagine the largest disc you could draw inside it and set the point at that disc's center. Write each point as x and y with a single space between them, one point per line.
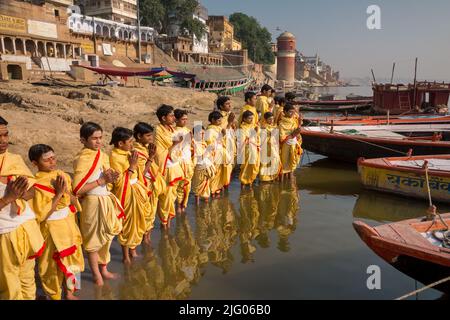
412 237
385 231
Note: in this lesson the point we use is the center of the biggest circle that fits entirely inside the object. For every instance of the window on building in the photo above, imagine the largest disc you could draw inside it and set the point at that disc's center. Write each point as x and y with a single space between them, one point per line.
56 13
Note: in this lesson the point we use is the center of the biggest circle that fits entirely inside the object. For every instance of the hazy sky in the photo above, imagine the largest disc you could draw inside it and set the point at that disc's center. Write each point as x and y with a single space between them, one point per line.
337 30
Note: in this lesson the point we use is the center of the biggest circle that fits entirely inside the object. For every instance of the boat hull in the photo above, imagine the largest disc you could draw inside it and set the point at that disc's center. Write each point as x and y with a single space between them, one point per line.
404 183
412 262
335 102
350 149
338 108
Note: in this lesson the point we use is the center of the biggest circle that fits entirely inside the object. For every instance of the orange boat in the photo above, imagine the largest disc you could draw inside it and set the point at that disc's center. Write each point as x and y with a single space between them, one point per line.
417 248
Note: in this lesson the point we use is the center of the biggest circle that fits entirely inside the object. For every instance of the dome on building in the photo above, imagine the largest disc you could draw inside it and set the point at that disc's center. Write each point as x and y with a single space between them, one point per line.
286 35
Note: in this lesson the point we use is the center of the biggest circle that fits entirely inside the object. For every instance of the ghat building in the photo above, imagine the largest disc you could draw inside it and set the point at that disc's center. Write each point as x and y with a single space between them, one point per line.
38 35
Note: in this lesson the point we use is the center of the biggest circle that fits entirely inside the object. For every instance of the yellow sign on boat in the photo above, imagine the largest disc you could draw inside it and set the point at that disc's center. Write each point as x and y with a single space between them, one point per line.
412 184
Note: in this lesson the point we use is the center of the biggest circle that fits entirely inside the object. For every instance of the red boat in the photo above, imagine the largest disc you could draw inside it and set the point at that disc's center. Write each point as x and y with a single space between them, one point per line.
378 120
415 247
399 98
372 144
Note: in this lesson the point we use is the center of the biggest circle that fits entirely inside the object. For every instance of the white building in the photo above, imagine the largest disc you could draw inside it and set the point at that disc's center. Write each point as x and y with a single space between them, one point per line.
201 46
108 28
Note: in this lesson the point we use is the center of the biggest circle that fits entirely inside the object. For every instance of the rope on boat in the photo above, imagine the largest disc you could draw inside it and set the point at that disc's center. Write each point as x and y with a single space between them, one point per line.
375 145
430 286
432 213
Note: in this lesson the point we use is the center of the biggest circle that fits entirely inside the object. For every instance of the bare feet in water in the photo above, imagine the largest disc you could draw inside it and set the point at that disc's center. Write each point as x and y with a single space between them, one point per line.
134 254
98 282
106 275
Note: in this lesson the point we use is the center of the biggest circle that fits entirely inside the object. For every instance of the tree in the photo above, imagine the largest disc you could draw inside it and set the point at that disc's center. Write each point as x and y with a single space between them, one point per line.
255 38
160 14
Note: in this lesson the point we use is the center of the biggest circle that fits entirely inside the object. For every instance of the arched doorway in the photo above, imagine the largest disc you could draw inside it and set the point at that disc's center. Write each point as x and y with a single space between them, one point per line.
50 49
9 47
112 33
105 32
19 47
30 47
125 35
98 30
14 72
41 49
59 50
120 35
143 37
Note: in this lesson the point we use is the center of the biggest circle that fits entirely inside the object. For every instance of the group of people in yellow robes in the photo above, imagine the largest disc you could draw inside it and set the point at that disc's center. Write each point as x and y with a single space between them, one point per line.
53 218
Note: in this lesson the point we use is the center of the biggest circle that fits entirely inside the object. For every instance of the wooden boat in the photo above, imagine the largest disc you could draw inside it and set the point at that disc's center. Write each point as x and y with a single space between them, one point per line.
379 120
333 102
349 147
411 247
406 176
354 108
222 86
399 98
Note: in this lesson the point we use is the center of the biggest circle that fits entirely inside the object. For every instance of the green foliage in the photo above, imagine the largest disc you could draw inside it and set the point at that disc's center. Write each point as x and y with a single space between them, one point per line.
160 13
255 38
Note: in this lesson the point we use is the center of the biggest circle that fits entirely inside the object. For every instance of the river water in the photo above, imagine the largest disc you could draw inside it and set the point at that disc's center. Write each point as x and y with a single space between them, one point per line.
278 241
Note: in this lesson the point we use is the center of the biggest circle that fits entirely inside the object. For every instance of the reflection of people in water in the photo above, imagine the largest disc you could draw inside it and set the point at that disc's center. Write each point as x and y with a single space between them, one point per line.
248 224
286 219
225 230
268 197
189 254
216 232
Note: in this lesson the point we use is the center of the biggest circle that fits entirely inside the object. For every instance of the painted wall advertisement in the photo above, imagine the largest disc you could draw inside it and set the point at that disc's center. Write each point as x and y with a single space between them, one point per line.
43 29
14 24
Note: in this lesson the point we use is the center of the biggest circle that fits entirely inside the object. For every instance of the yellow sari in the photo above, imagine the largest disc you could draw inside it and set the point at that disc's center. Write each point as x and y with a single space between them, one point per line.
21 240
171 171
271 166
187 165
215 142
153 180
249 148
204 171
62 258
262 106
101 212
291 148
231 149
133 197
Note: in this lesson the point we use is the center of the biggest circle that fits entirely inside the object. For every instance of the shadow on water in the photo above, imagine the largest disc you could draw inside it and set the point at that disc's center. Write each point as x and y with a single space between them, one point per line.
384 208
326 176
